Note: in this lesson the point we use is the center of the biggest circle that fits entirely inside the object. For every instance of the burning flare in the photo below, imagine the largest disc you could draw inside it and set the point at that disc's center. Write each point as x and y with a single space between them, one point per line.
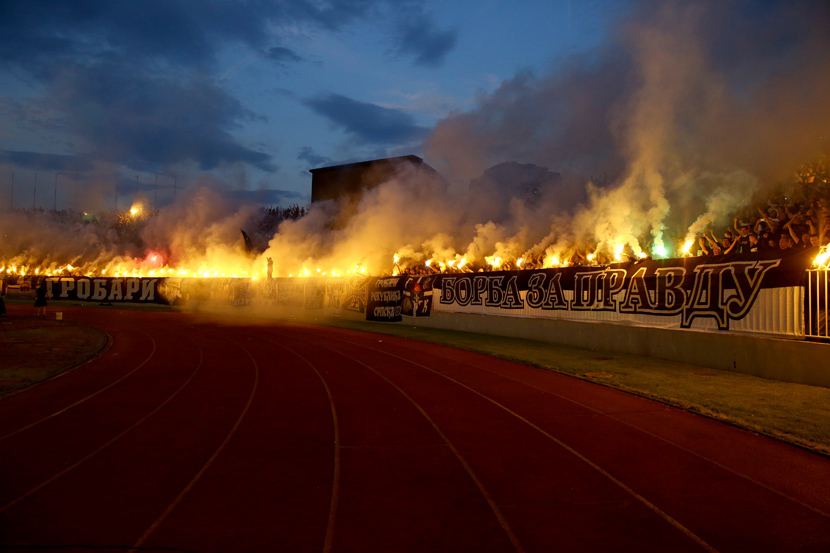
823 259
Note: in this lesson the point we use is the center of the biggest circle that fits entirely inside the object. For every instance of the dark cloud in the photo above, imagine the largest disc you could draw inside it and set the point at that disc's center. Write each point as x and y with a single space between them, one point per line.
133 118
175 30
419 37
313 159
368 123
188 32
283 55
49 162
184 32
133 80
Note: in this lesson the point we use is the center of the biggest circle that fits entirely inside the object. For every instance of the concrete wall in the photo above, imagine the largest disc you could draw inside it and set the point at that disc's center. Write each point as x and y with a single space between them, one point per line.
787 360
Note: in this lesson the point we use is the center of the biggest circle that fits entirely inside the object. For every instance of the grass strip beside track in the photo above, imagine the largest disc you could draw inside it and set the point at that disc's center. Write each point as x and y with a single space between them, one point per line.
35 349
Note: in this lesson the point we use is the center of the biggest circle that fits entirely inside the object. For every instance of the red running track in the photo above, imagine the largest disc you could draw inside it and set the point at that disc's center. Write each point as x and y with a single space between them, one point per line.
194 434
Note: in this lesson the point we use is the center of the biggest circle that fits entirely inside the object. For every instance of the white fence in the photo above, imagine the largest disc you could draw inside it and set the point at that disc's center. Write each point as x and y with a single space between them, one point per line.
816 311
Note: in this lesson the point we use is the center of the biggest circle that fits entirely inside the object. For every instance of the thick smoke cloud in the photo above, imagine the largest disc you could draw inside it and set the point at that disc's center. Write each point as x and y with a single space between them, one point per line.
688 112
400 214
199 233
686 101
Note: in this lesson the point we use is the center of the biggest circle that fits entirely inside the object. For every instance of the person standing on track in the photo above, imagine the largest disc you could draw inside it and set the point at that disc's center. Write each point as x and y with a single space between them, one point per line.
41 294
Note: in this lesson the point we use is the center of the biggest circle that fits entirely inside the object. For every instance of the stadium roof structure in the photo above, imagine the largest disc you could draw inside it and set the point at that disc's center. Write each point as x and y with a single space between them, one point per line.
352 179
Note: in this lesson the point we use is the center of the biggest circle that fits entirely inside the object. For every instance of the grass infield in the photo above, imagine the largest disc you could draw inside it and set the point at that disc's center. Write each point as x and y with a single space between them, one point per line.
35 349
795 413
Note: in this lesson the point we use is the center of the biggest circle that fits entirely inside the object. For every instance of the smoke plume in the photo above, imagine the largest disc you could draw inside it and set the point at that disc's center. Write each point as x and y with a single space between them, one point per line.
688 112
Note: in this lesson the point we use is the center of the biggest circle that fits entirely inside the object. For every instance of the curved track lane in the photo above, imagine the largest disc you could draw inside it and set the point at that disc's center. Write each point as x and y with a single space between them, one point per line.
194 434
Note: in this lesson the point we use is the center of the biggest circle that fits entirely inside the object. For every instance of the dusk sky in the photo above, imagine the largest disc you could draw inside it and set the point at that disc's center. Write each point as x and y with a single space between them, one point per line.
557 124
252 93
245 96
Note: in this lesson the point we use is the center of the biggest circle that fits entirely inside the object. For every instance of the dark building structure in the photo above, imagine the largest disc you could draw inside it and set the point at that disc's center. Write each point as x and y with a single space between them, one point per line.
350 180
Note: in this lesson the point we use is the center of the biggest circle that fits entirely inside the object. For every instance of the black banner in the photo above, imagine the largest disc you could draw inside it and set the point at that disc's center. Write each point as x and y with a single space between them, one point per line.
417 296
290 291
168 291
103 289
355 294
315 293
346 294
722 288
221 291
385 299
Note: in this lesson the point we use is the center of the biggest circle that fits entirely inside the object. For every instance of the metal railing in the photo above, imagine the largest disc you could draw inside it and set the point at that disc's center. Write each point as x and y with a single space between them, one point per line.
817 304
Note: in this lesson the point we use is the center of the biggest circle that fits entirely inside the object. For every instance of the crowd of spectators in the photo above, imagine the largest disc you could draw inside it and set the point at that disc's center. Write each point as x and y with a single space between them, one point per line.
783 227
789 228
265 220
268 219
122 230
796 220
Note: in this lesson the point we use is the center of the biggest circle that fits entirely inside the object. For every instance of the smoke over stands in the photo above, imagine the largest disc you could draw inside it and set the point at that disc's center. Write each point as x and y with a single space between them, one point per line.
689 112
690 109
